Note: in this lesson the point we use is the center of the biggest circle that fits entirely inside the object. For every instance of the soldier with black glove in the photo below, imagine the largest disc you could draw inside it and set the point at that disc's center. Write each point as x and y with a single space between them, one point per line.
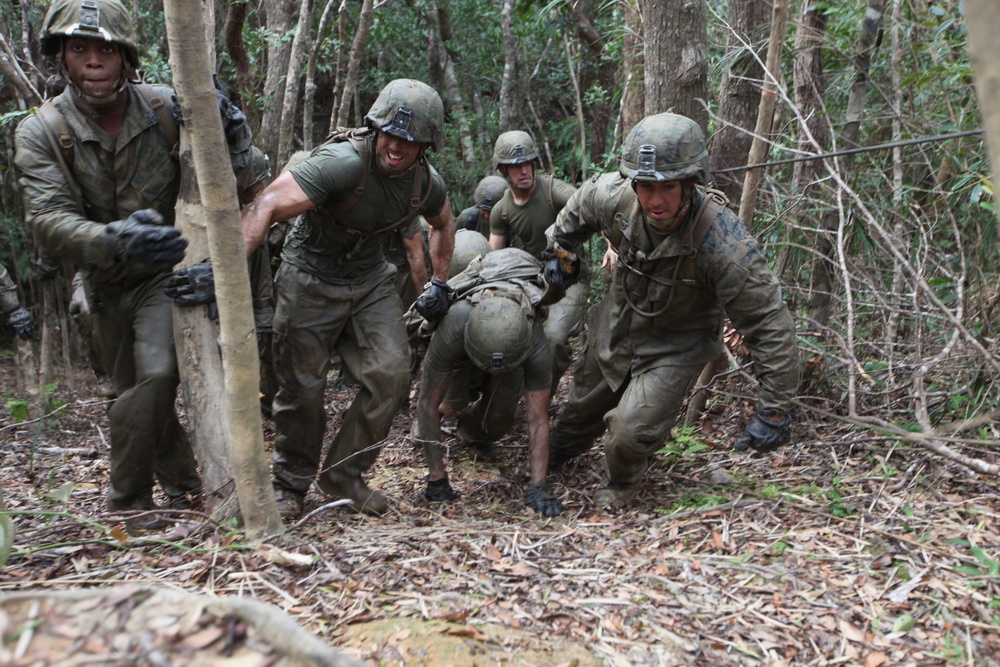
17 315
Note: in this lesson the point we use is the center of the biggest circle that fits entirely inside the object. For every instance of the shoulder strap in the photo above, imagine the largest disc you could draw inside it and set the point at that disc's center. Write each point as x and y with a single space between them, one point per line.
548 178
360 140
624 203
167 123
713 202
57 132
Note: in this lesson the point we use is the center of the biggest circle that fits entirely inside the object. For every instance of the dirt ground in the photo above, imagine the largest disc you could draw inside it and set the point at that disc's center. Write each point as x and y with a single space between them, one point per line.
841 549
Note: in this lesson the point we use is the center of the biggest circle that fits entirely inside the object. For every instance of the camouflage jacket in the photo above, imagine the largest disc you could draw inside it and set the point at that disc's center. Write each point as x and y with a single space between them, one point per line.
654 316
116 179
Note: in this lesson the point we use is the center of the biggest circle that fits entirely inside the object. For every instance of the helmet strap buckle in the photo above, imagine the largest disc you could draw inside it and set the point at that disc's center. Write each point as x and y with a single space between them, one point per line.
647 160
401 121
497 362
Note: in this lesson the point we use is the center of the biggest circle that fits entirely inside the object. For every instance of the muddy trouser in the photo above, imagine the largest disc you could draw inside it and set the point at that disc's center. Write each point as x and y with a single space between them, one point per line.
638 416
492 416
133 331
363 324
564 321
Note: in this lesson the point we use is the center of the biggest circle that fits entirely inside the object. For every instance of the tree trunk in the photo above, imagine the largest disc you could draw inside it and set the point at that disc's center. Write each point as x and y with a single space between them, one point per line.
232 36
507 85
292 82
676 57
354 67
633 70
823 266
310 92
740 96
241 443
599 111
279 50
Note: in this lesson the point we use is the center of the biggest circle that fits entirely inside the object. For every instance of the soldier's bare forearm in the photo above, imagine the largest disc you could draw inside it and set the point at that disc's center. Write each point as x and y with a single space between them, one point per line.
536 404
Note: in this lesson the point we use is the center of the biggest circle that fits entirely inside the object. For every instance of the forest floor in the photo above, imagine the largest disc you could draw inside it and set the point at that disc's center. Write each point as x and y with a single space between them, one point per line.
841 549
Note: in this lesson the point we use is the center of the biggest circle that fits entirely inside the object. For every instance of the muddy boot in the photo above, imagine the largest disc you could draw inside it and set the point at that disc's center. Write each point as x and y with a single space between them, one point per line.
338 483
615 495
142 515
289 502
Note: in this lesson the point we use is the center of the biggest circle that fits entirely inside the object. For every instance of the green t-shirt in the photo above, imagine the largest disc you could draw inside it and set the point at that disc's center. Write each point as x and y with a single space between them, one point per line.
344 248
530 221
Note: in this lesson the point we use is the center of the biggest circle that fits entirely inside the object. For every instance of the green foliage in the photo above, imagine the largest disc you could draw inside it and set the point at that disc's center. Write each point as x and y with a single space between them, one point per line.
683 443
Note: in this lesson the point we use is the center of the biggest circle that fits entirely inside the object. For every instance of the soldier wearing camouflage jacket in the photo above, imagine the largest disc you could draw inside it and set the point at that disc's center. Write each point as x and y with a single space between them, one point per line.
660 321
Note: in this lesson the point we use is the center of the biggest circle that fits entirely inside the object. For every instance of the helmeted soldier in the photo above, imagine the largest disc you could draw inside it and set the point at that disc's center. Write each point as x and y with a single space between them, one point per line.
492 331
335 293
529 207
477 217
100 180
683 259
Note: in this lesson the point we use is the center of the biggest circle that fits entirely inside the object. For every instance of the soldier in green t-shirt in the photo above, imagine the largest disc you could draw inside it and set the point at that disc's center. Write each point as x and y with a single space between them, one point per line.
529 207
335 292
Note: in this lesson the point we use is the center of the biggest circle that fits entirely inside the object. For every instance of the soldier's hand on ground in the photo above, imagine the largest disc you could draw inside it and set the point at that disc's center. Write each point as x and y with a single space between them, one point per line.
539 497
768 430
21 321
142 237
192 286
560 271
439 490
434 302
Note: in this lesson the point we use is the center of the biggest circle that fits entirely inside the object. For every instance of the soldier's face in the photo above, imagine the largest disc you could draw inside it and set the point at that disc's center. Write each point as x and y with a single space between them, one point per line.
396 155
94 66
660 201
521 176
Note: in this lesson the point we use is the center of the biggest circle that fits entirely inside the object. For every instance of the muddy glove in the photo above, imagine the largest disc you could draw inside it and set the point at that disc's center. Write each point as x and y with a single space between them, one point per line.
439 490
233 120
540 498
194 286
763 433
434 302
21 321
561 268
143 239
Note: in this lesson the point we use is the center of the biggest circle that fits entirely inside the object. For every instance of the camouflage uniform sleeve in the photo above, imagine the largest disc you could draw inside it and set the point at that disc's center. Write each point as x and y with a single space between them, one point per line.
751 295
8 291
578 220
51 209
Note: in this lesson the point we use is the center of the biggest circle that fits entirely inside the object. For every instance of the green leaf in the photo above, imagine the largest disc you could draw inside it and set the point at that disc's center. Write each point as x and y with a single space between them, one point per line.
904 623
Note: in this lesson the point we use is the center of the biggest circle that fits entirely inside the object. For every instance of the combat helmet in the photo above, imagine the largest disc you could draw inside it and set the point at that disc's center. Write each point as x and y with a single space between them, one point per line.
665 147
469 244
498 335
260 170
410 110
95 19
488 192
514 147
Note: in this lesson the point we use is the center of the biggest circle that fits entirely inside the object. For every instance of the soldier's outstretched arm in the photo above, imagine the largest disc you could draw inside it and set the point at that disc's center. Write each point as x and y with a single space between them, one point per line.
539 495
442 240
282 200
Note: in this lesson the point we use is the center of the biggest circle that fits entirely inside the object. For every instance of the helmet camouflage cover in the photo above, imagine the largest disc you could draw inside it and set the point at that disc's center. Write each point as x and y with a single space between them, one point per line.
665 147
514 147
410 110
469 244
498 335
489 191
95 19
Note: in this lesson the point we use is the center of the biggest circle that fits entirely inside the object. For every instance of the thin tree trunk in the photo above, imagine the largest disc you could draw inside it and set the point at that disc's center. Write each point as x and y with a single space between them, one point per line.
215 191
279 13
338 76
354 66
310 91
633 67
600 111
509 67
823 267
232 35
292 82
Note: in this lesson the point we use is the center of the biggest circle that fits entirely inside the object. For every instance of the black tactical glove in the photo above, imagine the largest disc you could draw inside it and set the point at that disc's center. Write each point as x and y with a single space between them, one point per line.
434 302
763 434
540 498
192 286
144 239
439 490
21 321
233 120
560 271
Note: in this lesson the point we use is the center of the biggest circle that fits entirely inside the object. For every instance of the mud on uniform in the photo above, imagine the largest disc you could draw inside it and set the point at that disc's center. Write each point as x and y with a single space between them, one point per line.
132 317
335 296
638 366
528 223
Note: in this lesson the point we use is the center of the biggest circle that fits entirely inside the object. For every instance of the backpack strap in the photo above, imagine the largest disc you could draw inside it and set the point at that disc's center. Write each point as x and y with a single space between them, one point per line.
360 139
163 113
57 132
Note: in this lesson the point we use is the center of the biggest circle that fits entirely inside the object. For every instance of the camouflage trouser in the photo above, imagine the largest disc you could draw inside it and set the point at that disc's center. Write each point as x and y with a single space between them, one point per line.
363 324
638 416
564 321
133 331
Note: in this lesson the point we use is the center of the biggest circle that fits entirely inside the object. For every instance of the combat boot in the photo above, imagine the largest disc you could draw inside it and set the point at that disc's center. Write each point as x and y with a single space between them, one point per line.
144 516
338 483
289 502
615 495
